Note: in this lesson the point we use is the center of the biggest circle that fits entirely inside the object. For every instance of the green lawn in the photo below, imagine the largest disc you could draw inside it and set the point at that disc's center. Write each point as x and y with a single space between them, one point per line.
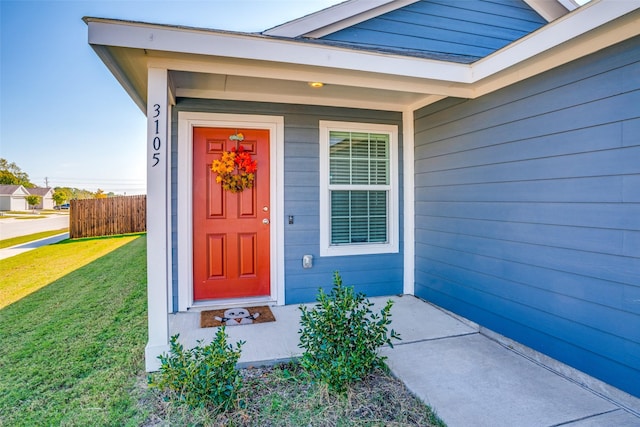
73 344
27 272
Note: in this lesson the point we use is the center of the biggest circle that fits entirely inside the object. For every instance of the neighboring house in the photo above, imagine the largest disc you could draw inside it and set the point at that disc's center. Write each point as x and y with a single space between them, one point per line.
12 198
46 197
482 155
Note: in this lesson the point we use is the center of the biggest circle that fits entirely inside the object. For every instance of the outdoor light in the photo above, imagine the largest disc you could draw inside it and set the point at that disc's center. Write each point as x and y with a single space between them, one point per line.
316 85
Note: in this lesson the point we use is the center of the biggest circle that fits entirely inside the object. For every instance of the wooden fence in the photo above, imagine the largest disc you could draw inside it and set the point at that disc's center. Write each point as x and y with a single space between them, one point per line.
106 217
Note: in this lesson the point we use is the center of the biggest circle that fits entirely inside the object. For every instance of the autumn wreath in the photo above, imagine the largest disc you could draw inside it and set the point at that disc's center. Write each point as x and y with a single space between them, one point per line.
236 170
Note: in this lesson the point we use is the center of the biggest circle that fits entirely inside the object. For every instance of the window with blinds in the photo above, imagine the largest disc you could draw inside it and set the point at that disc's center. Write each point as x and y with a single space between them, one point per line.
358 186
358 195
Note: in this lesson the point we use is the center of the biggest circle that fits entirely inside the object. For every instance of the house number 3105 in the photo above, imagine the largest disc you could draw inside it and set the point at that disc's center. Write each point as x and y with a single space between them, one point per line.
157 142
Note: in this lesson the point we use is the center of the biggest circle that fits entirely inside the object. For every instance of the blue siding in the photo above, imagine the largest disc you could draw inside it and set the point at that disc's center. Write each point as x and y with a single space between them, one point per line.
374 275
459 30
528 212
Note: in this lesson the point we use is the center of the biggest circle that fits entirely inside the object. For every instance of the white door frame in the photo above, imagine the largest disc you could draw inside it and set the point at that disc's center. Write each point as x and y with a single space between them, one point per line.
186 122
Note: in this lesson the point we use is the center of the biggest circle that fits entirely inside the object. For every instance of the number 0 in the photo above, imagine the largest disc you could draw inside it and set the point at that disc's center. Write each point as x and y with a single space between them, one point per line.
156 143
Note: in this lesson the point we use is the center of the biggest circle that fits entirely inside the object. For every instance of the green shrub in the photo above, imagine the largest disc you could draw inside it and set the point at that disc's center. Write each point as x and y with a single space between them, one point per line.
341 336
203 376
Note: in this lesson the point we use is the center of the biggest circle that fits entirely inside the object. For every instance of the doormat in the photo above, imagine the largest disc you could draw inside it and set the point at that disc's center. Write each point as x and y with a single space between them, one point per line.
236 316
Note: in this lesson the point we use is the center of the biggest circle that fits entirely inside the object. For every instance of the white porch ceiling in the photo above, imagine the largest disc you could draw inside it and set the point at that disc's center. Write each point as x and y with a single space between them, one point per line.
224 86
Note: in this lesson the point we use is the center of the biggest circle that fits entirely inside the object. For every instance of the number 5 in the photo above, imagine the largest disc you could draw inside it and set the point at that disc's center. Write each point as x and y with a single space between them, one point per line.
156 157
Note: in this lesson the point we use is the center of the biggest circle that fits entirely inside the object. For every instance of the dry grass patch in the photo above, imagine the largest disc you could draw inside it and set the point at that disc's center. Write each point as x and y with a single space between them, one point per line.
285 395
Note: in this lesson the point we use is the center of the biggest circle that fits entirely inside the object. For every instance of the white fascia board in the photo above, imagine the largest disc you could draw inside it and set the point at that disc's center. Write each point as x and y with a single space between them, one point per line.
570 5
356 19
550 10
253 47
587 18
325 17
607 35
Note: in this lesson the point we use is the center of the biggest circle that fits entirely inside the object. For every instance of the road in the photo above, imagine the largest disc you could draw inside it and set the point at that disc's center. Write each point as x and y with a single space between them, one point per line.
12 227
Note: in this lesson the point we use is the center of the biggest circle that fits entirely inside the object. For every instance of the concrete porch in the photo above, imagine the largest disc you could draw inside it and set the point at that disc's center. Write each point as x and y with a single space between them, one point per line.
470 376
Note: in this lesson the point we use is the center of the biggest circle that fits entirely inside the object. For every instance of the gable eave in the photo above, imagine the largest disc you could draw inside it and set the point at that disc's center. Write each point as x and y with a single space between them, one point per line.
336 18
110 33
596 25
352 12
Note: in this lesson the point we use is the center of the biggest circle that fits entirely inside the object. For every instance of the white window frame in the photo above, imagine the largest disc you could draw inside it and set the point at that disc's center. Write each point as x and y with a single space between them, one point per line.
391 246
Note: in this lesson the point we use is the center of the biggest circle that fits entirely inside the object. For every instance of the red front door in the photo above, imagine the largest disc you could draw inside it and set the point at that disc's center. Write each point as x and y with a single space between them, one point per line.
230 230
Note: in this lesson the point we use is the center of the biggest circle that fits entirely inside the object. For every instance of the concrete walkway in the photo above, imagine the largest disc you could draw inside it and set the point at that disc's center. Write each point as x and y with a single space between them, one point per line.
470 377
18 249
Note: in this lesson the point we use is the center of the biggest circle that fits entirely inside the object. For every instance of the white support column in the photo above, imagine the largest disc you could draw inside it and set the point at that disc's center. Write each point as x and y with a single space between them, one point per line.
158 249
408 168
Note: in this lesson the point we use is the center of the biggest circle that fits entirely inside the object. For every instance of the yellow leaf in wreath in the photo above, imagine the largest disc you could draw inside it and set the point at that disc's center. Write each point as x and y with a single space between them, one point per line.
228 156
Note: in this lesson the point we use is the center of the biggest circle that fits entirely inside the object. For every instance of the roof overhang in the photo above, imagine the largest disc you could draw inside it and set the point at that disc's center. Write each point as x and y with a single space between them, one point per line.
352 12
251 67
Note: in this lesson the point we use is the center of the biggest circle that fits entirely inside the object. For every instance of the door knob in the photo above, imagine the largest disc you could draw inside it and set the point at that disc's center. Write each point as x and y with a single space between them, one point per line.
265 221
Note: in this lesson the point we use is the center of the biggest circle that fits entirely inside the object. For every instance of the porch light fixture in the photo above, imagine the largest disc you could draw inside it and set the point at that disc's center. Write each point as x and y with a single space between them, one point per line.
316 85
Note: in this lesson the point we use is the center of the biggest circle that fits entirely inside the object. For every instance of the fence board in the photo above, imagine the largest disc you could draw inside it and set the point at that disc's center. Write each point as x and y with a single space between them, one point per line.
107 217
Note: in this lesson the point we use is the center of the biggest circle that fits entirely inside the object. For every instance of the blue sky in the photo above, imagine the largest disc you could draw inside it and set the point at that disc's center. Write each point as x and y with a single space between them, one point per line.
63 116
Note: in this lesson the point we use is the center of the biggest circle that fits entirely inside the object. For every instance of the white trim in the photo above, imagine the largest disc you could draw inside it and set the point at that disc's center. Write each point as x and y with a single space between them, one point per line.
289 99
169 236
570 5
325 17
356 19
186 122
293 73
589 17
253 47
361 249
549 10
158 224
353 12
408 183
